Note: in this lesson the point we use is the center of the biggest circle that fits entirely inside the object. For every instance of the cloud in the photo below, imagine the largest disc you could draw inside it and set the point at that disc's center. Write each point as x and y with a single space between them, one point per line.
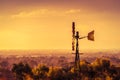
32 13
44 13
72 11
91 5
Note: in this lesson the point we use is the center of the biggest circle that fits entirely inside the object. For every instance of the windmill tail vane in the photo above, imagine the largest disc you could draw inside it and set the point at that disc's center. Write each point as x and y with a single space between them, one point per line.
91 35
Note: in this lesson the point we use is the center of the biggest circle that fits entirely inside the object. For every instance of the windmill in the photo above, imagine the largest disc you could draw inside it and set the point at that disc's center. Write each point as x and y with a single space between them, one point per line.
75 39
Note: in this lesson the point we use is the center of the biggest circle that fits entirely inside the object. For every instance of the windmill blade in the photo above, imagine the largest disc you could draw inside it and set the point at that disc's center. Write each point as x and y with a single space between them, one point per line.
73 29
73 36
91 35
73 44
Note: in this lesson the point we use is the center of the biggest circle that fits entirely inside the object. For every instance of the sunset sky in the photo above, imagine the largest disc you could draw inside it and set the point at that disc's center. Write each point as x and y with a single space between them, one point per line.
46 24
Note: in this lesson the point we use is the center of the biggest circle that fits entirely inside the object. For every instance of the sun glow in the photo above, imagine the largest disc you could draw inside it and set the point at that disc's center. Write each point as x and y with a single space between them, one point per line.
35 26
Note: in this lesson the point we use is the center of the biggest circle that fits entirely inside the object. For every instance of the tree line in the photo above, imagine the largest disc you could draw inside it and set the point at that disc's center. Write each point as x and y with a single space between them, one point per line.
100 69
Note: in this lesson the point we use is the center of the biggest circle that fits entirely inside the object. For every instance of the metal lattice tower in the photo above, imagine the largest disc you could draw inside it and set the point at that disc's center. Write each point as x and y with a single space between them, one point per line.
77 58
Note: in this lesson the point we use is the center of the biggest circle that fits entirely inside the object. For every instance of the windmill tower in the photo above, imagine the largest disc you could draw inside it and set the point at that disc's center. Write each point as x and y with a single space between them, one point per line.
75 39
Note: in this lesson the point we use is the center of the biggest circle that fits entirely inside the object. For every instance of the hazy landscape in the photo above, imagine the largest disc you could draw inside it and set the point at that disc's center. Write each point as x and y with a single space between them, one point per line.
58 58
44 56
59 40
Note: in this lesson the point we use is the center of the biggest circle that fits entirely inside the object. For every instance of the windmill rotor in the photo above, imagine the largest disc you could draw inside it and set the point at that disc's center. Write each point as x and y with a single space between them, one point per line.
73 36
90 36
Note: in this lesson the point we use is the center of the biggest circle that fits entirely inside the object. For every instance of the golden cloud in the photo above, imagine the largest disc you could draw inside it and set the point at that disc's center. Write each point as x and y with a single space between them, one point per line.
44 12
72 11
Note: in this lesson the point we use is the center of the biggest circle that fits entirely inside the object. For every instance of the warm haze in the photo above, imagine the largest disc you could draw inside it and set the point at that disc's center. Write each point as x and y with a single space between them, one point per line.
46 24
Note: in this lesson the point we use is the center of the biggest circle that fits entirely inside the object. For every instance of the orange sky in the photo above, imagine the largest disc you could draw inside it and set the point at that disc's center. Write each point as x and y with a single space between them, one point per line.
46 24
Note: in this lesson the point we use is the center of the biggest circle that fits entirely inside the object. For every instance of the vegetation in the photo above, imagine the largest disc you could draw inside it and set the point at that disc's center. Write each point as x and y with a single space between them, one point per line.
100 69
21 71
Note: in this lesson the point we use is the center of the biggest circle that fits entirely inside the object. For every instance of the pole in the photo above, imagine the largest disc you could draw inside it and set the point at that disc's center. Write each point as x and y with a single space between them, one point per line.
77 58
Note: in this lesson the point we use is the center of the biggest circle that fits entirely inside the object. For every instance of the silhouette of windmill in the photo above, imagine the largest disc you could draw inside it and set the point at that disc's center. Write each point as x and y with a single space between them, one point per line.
75 36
